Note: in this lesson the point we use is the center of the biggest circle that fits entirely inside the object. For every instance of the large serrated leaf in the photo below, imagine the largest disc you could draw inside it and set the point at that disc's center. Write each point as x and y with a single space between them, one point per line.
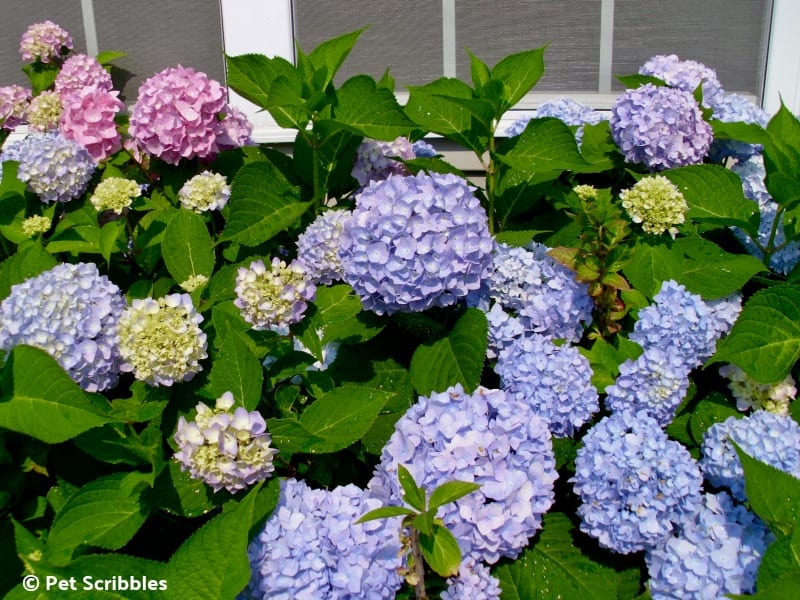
251 75
40 400
371 110
262 204
546 148
455 358
332 53
519 72
236 369
187 248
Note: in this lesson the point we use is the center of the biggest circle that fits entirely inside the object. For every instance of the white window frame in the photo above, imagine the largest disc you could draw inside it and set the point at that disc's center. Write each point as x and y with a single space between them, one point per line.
266 27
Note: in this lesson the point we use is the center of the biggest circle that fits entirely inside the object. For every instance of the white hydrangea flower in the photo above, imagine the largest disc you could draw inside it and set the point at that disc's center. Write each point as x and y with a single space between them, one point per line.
204 192
656 203
35 225
749 394
115 193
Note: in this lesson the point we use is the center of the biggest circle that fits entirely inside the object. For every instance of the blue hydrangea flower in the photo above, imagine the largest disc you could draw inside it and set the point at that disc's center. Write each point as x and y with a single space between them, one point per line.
311 547
318 246
684 75
715 552
56 169
415 242
223 447
489 438
70 312
655 383
682 323
567 110
768 437
423 149
375 160
660 127
634 482
554 380
733 108
474 581
536 293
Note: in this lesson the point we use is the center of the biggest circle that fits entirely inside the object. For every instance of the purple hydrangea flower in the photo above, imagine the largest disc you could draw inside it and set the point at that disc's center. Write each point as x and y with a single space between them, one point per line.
660 127
45 42
70 312
489 438
311 547
423 149
655 383
684 75
768 437
715 552
234 130
555 381
55 168
415 242
223 447
474 581
318 246
14 100
375 160
733 108
567 110
634 482
80 71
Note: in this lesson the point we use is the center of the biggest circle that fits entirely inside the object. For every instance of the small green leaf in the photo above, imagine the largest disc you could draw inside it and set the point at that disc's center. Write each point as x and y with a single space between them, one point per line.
186 246
715 408
519 72
107 56
781 557
385 512
450 491
441 551
237 370
332 53
634 81
412 493
479 70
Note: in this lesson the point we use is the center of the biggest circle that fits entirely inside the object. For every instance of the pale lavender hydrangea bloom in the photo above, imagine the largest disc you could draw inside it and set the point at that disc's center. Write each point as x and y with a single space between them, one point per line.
634 483
375 160
733 108
234 130
223 447
14 100
684 75
555 381
69 312
311 547
489 438
567 110
44 42
55 168
80 71
660 127
176 115
273 298
715 552
318 246
767 437
474 582
415 242
655 383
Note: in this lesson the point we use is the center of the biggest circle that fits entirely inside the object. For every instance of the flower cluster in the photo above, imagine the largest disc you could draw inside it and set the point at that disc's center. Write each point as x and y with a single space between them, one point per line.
160 341
44 112
115 193
55 168
660 127
748 393
686 75
555 381
44 42
375 160
634 482
311 547
80 71
69 312
732 108
715 552
180 113
234 130
770 438
318 246
195 282
415 242
567 110
273 298
35 225
14 100
223 447
489 438
656 203
204 192
474 581
88 118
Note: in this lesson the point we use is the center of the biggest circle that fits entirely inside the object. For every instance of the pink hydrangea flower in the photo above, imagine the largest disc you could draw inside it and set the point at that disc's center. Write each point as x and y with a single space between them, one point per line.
14 101
44 41
235 130
88 118
80 71
177 115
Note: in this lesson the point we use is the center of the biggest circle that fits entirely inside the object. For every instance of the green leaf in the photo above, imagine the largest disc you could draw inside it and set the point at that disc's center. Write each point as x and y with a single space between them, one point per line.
176 492
712 272
148 236
332 53
40 399
105 513
783 588
519 72
715 408
113 239
213 562
782 150
554 566
342 416
455 358
781 557
251 75
714 195
772 494
340 318
479 70
634 81
385 512
26 263
336 145
237 370
751 133
371 110
765 340
545 148
450 491
263 203
41 75
441 551
289 436
651 265
286 103
187 247
107 56
412 493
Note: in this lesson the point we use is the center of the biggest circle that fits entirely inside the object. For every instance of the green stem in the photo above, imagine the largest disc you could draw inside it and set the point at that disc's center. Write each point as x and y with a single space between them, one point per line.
491 183
420 593
769 248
